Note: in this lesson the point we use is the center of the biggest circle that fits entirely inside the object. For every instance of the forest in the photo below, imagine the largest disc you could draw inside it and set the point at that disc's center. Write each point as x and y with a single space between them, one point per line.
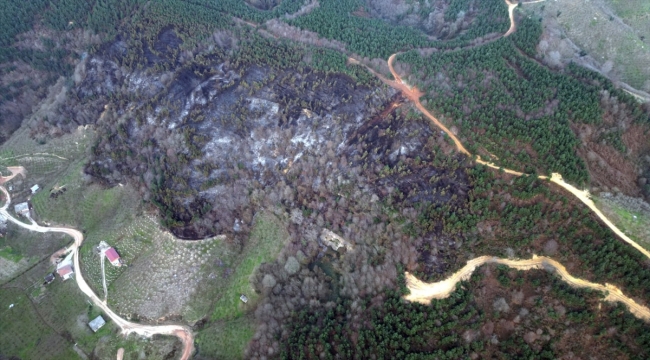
530 315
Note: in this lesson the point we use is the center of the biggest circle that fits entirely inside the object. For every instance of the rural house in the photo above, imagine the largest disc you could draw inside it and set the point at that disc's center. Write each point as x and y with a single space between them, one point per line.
35 189
97 323
113 256
65 272
22 209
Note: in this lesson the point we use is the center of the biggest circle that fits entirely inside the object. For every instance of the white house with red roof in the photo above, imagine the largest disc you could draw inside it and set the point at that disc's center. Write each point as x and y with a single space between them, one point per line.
65 271
113 256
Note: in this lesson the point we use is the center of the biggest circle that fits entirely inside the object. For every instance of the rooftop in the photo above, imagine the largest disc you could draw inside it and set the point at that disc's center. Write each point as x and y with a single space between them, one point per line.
112 255
64 270
97 323
21 208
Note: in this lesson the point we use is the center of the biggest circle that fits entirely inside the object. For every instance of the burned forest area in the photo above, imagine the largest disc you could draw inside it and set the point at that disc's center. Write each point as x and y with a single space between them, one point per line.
302 188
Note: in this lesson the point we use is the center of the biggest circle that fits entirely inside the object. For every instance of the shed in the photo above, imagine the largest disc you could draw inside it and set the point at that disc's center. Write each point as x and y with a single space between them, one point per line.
65 272
49 278
22 208
113 256
35 188
243 298
97 323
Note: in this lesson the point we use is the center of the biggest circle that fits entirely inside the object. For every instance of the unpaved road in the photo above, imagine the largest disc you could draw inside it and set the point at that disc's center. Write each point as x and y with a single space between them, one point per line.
120 353
413 94
35 155
104 277
423 293
182 332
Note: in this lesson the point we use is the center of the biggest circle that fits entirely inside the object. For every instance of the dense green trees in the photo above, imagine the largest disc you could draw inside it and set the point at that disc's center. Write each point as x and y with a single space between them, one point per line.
459 325
376 38
493 93
17 17
393 330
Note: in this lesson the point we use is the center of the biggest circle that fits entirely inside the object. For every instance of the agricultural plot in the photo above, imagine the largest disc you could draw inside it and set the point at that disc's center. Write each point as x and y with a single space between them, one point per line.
21 148
21 249
24 335
135 348
163 274
226 339
48 319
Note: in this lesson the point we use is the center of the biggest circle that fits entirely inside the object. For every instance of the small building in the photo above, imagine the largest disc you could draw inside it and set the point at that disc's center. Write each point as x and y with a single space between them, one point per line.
97 323
22 208
35 189
113 256
243 298
65 272
49 278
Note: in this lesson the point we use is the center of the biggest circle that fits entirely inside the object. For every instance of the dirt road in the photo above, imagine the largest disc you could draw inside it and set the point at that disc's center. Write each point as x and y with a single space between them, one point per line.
104 277
413 94
423 293
182 332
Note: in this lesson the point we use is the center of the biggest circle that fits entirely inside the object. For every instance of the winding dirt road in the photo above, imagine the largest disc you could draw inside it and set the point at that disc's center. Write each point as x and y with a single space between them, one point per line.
423 292
182 332
414 94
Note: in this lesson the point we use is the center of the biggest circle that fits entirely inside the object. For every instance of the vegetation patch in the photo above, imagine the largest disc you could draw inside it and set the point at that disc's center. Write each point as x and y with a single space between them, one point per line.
266 240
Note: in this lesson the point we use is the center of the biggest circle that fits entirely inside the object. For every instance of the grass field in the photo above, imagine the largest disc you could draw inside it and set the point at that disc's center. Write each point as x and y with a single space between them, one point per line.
634 222
226 339
137 348
634 13
46 321
24 335
10 254
163 278
21 249
232 324
266 240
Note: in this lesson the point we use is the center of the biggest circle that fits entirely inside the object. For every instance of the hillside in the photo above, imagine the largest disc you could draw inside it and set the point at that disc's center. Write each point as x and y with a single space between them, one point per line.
268 149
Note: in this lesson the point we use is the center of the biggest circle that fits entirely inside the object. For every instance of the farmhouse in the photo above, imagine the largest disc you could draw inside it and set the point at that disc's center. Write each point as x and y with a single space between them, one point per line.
113 256
35 189
97 323
22 208
65 271
243 298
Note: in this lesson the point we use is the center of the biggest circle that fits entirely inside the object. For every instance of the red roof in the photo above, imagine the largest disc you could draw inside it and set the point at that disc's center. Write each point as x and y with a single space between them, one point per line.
112 255
65 270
